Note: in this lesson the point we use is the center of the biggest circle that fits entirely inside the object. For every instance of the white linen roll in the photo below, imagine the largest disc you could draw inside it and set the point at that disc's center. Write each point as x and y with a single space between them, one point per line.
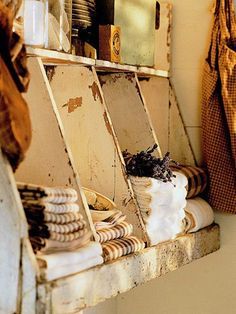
201 212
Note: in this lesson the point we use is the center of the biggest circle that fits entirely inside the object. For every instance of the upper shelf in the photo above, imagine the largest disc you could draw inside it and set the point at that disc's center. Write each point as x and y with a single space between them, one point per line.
51 57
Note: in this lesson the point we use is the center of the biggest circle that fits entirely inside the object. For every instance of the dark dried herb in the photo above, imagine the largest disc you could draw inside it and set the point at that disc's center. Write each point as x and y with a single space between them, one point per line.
144 164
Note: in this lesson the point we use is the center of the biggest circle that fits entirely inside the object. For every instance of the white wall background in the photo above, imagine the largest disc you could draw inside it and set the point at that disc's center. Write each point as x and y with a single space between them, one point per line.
207 286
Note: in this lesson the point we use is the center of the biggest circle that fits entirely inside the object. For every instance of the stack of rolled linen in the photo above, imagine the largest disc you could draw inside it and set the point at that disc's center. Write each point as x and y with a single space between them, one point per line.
162 205
199 213
114 232
57 231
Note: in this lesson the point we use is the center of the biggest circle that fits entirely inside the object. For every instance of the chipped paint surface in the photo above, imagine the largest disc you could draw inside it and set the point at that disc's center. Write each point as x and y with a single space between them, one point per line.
73 103
96 92
71 294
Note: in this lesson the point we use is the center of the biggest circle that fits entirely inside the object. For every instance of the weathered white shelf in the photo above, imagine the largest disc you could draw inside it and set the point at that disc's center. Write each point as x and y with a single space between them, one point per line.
51 57
74 293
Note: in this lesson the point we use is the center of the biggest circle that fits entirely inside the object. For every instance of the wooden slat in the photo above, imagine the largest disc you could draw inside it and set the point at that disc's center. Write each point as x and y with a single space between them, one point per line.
52 57
49 160
128 111
71 294
179 143
162 54
12 228
29 269
91 137
156 94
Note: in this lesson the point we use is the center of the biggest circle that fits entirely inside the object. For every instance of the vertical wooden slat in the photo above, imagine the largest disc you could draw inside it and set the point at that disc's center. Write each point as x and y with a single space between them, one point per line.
12 229
156 94
49 160
91 137
162 53
179 144
29 286
128 112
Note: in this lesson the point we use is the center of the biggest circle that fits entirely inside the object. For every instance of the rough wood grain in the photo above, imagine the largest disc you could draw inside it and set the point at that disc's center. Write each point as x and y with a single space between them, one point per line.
128 111
179 144
90 134
71 294
156 94
49 160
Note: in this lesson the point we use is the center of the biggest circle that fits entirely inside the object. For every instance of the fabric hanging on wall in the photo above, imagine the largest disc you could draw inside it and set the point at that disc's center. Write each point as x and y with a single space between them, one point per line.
219 109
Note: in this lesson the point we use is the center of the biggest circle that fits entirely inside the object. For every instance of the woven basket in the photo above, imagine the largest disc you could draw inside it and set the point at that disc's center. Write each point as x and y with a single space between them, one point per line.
98 201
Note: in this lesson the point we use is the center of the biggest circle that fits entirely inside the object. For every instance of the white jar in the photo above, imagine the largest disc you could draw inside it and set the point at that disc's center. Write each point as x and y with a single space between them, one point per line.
35 17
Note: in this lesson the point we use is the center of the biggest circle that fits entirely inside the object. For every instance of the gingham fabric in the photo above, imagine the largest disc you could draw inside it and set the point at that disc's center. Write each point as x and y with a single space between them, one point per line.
121 230
47 194
69 237
41 206
116 248
42 216
197 179
66 228
219 110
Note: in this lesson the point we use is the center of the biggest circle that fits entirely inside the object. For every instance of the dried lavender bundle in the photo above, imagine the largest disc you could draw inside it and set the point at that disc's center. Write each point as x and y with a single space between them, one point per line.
144 164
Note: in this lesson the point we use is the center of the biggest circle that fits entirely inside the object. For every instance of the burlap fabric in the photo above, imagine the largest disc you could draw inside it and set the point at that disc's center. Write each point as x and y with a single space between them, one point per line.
219 109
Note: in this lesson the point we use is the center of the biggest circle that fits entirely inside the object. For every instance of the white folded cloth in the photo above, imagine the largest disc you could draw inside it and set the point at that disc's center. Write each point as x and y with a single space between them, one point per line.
62 271
201 212
162 206
57 38
93 249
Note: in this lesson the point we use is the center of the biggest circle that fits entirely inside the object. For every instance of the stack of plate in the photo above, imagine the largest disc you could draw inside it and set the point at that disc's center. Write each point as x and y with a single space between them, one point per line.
83 13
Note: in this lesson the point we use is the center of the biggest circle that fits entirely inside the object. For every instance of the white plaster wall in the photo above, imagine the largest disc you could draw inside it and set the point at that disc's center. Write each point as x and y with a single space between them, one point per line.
206 286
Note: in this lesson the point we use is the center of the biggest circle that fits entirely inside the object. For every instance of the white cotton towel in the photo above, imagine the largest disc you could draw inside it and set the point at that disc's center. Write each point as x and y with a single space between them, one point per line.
66 259
201 212
162 206
62 271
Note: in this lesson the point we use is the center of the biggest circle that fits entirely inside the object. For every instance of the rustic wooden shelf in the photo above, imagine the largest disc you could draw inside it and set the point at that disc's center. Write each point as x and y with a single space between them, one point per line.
51 57
74 293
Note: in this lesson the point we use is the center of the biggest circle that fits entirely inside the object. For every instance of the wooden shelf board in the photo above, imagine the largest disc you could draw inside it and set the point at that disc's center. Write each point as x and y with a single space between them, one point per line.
51 57
88 288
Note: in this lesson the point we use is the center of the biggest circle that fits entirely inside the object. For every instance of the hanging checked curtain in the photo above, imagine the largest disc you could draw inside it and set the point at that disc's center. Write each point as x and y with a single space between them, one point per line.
219 109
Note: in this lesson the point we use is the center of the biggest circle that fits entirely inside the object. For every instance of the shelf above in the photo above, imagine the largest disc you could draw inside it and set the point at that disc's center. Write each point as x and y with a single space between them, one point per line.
51 57
74 293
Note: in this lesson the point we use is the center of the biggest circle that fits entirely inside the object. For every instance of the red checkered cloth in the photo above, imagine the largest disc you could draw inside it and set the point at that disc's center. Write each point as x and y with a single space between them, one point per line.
219 109
197 179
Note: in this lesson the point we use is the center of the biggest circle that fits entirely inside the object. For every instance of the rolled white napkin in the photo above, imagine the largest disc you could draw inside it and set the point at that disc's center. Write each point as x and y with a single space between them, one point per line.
66 259
62 271
201 212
